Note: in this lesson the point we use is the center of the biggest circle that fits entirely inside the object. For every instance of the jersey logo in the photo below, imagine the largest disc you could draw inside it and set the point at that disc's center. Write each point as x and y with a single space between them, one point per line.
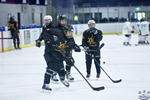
62 47
91 41
11 25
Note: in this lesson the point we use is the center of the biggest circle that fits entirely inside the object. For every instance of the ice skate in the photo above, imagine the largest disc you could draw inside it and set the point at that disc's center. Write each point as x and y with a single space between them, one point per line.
69 77
46 87
65 83
54 79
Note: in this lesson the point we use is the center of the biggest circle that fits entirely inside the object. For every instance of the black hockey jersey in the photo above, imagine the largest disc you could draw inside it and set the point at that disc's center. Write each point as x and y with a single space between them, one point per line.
91 38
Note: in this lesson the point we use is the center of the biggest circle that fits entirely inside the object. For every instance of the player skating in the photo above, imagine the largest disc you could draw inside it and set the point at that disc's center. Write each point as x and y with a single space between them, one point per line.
54 39
70 44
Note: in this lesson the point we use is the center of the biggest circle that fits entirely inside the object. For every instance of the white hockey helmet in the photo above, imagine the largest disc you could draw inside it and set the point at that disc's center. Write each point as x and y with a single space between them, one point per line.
91 22
48 19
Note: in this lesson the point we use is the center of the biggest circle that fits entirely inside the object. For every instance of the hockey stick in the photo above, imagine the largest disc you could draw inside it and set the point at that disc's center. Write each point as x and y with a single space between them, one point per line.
114 81
94 88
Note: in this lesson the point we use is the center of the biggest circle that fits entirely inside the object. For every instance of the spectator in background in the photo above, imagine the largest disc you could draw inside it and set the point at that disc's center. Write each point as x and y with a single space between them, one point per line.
14 32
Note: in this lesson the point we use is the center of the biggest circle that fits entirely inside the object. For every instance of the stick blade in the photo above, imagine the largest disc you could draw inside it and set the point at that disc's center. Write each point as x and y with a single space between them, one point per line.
117 81
101 46
99 88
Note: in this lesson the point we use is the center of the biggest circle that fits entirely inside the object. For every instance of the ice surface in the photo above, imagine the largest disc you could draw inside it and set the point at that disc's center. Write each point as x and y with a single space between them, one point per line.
22 71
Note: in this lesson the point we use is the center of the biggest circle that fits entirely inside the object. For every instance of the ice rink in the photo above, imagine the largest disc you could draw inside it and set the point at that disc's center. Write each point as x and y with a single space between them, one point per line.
22 71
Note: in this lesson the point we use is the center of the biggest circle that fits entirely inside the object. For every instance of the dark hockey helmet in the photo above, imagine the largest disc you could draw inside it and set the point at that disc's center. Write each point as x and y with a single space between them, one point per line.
143 19
12 18
62 20
62 17
68 28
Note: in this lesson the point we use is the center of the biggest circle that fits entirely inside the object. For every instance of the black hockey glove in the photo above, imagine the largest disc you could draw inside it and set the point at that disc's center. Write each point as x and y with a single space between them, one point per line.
38 43
69 61
77 48
86 48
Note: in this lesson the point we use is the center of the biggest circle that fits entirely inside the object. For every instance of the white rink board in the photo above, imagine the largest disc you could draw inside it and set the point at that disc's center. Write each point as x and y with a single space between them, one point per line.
23 35
28 36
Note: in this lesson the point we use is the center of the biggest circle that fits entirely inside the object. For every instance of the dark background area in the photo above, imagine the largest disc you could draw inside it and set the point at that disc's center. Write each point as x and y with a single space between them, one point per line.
92 3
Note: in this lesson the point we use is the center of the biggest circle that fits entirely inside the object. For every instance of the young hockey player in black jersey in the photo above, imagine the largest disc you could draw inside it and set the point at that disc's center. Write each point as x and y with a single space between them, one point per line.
54 41
60 24
90 41
70 43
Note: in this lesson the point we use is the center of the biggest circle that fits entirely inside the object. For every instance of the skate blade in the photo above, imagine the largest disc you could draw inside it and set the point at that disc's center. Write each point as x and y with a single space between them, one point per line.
46 91
66 85
97 78
55 82
70 80
88 78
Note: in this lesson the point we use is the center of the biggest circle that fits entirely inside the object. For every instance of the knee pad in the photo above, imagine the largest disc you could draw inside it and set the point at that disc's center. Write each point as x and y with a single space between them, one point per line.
50 72
97 57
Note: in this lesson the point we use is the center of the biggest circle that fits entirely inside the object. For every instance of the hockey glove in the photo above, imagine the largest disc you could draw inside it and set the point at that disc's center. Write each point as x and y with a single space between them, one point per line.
95 32
38 43
77 48
86 48
69 61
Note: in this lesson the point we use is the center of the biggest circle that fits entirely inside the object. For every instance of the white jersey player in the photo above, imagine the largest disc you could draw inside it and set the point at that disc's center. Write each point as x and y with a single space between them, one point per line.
144 29
127 28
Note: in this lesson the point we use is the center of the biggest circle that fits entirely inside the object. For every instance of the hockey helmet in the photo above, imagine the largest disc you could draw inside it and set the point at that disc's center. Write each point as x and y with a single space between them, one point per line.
91 22
48 19
143 19
68 29
62 17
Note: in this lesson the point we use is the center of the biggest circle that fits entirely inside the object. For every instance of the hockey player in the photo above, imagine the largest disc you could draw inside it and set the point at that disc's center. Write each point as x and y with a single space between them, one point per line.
70 45
90 41
139 32
61 22
65 29
144 29
127 28
14 32
54 41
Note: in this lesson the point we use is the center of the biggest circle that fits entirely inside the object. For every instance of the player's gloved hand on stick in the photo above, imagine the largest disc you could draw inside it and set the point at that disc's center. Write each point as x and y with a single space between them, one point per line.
77 48
86 48
38 43
69 61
